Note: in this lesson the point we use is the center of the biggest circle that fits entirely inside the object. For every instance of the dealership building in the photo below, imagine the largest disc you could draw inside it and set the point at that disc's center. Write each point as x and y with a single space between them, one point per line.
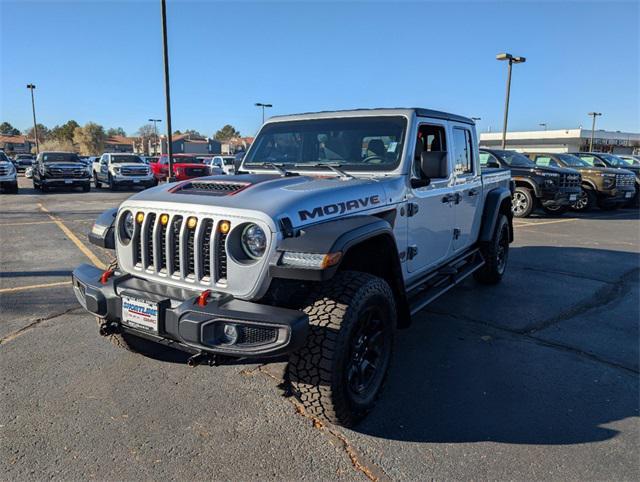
565 140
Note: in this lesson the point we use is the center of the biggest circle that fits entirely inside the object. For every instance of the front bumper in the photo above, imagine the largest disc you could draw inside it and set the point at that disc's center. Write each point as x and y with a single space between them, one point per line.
8 179
184 324
619 195
560 197
60 182
134 180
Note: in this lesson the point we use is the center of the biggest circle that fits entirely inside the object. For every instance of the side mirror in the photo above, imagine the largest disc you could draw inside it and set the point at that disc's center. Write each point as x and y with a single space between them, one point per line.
434 164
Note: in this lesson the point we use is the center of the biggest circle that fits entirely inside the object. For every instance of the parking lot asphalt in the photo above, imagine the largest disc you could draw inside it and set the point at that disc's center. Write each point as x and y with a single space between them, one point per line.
536 378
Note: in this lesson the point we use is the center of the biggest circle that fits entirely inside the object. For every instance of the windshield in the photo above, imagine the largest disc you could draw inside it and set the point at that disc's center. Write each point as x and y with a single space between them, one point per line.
126 159
515 159
228 161
365 143
570 160
60 157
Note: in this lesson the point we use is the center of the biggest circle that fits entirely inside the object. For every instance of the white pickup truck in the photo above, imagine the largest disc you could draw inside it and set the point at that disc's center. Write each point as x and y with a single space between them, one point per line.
338 228
121 169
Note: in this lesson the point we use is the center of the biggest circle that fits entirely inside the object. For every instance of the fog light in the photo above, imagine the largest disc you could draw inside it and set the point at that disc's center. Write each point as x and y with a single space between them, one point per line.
229 334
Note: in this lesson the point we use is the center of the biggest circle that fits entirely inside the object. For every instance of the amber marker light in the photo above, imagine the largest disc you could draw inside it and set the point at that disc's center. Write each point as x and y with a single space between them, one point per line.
140 218
164 219
192 222
225 226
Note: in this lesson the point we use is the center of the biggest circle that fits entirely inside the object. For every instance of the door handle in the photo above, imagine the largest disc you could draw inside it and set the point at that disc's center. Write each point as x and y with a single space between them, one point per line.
452 198
473 192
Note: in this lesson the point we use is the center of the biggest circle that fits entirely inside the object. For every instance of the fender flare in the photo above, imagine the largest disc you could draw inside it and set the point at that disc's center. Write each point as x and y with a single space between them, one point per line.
103 233
589 183
492 209
534 186
333 236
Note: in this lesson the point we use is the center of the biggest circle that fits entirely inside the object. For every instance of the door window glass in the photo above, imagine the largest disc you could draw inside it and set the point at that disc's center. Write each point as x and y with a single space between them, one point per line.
462 151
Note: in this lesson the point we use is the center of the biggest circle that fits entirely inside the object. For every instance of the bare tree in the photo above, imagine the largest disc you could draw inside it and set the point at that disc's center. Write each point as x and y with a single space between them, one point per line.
90 138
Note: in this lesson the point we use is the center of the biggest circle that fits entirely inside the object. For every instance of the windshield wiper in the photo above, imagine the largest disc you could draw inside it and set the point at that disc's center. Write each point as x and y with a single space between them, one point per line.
334 167
277 167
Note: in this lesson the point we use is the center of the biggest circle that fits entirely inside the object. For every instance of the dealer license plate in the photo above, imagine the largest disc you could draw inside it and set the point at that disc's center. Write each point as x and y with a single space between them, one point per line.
67 181
140 313
573 197
136 181
628 194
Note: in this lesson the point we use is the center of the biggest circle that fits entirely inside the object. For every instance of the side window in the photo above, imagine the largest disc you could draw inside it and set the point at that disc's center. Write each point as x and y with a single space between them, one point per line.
543 160
462 151
591 160
431 138
486 158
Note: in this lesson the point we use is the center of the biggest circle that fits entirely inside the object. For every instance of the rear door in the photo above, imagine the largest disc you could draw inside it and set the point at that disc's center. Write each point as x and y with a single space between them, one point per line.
467 185
431 219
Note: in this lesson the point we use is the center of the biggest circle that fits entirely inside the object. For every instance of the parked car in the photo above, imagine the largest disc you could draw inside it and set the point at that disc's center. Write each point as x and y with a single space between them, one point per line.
185 166
610 160
216 166
554 189
60 169
605 187
320 251
630 159
8 175
23 161
227 163
116 169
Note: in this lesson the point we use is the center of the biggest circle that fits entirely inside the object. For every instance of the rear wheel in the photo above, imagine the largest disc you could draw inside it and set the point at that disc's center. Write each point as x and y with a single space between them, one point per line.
495 254
340 372
522 202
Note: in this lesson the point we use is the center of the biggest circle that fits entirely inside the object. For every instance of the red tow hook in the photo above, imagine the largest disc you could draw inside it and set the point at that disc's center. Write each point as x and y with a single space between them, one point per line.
105 276
202 299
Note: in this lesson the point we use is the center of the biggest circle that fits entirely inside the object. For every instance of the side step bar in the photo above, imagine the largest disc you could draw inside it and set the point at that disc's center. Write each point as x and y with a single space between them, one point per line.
443 279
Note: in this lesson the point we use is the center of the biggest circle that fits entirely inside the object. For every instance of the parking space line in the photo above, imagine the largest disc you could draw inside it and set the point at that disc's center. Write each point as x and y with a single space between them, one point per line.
34 287
86 251
556 221
25 223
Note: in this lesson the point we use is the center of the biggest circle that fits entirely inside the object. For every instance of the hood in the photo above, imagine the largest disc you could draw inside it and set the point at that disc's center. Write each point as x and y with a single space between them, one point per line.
188 164
551 169
303 199
134 165
597 170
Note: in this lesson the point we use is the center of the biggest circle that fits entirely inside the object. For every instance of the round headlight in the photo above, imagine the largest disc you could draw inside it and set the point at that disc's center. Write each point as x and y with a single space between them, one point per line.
127 225
254 241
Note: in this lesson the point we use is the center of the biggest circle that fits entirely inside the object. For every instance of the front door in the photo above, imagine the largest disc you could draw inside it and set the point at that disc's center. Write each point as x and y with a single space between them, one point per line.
468 187
431 213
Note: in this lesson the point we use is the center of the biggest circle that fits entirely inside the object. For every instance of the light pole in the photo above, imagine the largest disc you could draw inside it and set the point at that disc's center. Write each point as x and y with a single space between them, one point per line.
512 60
167 90
155 131
35 125
260 104
543 125
593 128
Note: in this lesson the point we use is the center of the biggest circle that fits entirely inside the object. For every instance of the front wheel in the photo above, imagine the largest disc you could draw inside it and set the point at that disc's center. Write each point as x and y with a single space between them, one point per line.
522 202
495 254
86 188
112 184
340 372
586 200
95 180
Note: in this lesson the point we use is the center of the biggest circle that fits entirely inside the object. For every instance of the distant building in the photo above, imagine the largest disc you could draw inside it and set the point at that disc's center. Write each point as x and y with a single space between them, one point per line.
565 140
189 144
119 144
237 144
16 144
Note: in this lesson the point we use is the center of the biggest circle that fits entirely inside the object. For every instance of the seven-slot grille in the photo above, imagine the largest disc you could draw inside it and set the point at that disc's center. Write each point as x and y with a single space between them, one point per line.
177 250
570 180
67 173
623 180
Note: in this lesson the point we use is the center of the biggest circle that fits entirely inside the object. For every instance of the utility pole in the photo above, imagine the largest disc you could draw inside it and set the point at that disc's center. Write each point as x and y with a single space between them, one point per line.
512 60
155 132
35 124
260 104
167 90
593 128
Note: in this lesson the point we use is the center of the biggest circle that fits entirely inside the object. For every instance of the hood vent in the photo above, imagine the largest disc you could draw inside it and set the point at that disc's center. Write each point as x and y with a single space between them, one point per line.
211 188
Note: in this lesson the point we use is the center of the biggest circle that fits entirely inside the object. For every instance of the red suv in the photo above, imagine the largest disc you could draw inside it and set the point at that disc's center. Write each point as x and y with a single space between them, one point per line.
185 166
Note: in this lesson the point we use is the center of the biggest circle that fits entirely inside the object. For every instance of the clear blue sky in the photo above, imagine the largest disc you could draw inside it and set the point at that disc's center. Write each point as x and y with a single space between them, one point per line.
102 61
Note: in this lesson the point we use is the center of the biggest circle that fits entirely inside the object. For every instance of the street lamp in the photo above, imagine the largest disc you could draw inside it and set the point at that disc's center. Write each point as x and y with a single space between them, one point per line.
155 131
260 104
512 60
35 125
543 125
167 91
593 127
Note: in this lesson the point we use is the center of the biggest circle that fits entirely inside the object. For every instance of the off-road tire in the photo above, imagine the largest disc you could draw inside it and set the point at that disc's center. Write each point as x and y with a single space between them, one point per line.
586 201
523 202
319 372
97 183
495 253
559 211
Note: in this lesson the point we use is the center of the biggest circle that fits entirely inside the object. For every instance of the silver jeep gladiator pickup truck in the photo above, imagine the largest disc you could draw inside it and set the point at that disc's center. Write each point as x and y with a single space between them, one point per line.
338 227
